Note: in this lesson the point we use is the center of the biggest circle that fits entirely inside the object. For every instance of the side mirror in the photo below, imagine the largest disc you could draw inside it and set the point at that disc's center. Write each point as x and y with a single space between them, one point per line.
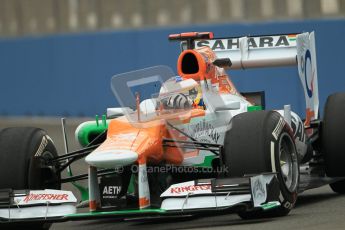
148 106
231 105
116 112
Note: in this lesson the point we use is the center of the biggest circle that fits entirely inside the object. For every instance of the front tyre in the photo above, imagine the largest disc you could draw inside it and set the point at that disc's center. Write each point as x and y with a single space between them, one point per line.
259 142
24 156
24 153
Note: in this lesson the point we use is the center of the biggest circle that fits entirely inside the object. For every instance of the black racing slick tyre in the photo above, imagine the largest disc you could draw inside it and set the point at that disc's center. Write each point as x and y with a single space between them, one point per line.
333 139
259 142
24 153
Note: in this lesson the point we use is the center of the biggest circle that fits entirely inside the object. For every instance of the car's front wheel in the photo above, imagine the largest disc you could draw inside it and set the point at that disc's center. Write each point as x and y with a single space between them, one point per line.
24 156
259 142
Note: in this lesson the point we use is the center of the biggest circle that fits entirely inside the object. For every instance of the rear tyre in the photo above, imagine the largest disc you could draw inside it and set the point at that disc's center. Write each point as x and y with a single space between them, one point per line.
259 142
333 139
24 153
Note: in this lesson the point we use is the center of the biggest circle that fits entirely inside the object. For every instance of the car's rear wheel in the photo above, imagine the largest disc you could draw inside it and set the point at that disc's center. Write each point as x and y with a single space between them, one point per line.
259 142
24 153
333 139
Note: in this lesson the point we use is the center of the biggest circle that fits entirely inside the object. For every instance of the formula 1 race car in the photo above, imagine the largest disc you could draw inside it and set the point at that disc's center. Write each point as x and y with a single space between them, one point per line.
185 144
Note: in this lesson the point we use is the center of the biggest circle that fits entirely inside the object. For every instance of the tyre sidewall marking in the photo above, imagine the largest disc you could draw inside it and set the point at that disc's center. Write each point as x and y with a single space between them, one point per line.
274 146
279 128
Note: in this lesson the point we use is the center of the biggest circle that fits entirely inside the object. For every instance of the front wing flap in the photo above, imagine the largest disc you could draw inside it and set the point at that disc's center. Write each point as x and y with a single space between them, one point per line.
254 192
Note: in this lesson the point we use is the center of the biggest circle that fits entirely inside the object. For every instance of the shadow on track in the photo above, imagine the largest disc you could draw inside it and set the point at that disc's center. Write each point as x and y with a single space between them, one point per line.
309 199
191 222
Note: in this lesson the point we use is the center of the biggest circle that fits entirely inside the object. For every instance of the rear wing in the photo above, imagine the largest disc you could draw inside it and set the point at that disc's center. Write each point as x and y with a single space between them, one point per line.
274 51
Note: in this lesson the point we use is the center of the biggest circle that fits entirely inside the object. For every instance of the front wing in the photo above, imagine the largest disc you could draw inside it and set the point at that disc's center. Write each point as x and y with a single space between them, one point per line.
215 196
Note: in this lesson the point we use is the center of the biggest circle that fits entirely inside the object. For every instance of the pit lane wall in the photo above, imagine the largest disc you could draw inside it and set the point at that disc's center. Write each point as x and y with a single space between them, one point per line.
70 75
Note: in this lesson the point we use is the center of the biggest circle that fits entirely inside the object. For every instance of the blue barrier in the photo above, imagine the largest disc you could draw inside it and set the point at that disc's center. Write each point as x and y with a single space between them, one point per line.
70 74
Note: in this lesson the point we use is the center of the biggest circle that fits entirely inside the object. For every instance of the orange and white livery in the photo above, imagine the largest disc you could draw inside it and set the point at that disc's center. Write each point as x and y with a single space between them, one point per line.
199 102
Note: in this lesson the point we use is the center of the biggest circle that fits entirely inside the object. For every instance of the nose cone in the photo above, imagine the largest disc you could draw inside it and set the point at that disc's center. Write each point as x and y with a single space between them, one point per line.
111 158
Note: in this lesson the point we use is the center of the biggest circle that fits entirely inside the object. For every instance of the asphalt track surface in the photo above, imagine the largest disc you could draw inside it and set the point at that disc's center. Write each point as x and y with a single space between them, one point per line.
318 209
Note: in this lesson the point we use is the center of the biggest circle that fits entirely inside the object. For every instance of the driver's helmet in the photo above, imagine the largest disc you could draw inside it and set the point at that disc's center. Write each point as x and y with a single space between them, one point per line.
179 101
187 99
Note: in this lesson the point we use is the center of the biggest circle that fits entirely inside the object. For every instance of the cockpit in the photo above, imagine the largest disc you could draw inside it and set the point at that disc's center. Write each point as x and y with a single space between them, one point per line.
178 94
